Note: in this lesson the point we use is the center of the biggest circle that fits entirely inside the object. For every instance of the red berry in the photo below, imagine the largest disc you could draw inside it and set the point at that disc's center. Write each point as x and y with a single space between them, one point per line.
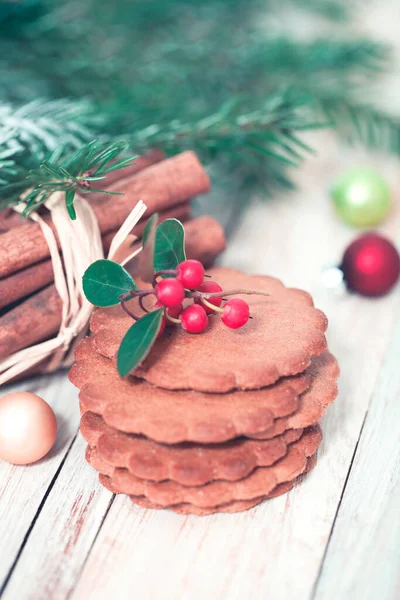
169 292
194 319
236 313
190 273
211 287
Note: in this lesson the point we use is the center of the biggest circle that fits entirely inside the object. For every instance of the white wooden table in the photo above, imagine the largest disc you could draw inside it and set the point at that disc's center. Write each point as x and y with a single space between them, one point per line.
337 535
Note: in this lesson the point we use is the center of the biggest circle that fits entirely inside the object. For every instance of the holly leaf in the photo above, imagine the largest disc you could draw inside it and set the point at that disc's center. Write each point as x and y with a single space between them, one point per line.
138 342
146 257
170 245
104 281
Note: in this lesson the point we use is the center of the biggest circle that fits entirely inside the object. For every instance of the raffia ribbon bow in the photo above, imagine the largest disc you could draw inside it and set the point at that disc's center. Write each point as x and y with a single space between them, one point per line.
81 245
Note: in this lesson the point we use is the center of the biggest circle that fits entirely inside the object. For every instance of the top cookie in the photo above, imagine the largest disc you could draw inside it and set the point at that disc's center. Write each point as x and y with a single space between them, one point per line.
286 331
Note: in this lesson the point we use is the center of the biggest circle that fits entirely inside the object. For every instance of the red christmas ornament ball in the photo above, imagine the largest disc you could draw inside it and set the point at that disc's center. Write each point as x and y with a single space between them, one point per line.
371 265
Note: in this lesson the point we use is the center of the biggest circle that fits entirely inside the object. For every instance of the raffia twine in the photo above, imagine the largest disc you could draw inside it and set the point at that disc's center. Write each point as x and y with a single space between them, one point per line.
81 245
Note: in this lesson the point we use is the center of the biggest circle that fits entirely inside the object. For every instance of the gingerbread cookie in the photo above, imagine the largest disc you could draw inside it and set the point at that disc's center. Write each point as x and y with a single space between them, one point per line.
261 482
324 372
187 463
259 419
286 331
230 507
135 406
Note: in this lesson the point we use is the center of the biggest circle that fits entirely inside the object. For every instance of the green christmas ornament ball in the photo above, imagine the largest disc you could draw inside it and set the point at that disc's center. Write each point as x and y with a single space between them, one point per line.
361 197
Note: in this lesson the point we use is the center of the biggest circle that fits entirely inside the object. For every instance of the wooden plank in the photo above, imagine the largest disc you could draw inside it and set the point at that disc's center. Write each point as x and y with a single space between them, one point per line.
51 561
363 557
256 554
23 489
274 551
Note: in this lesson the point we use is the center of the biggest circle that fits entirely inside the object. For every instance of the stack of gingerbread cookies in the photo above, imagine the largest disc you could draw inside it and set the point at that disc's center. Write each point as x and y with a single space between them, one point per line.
215 422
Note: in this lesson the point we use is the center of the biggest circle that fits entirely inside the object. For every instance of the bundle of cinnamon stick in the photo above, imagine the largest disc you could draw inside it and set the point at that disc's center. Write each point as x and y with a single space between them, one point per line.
30 308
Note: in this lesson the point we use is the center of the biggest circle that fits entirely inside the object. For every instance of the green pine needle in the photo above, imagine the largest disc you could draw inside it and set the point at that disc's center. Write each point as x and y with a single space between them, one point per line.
70 173
363 123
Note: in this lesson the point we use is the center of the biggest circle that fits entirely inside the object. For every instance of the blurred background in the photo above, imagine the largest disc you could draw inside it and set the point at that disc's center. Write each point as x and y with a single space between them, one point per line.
244 83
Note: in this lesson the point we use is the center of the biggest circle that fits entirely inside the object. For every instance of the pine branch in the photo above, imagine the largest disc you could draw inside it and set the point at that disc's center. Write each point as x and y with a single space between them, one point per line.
282 57
363 123
32 131
72 49
69 173
208 76
269 131
38 126
334 10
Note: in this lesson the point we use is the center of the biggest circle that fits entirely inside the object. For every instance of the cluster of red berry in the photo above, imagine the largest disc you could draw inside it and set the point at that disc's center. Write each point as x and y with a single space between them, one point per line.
207 296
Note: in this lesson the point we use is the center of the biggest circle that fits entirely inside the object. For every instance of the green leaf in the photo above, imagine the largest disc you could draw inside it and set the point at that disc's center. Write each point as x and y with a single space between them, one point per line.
71 212
69 199
104 281
138 342
170 245
146 257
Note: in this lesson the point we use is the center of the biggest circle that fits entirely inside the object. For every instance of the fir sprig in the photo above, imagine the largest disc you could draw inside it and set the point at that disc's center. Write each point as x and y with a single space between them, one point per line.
270 131
38 126
209 76
359 122
70 173
31 132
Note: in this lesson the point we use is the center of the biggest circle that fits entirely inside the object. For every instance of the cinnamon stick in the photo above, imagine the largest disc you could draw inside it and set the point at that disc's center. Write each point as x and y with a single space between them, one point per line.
161 186
33 278
9 218
39 317
25 282
204 239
